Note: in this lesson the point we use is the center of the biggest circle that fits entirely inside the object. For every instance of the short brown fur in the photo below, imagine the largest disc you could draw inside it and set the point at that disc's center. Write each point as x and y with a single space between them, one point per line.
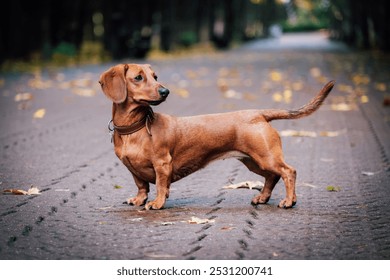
178 146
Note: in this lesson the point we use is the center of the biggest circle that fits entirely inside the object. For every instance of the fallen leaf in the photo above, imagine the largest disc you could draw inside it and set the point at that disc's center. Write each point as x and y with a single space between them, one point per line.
117 187
343 107
230 93
364 99
329 133
195 220
31 191
227 228
298 133
287 94
361 79
159 256
277 97
333 188
26 96
368 173
39 114
276 76
14 191
246 185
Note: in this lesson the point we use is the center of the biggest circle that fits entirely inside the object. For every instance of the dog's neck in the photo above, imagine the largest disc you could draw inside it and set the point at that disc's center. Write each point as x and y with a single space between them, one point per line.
123 115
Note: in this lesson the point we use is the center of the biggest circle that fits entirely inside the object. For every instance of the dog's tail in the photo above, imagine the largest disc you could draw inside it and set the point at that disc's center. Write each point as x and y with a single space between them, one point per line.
309 108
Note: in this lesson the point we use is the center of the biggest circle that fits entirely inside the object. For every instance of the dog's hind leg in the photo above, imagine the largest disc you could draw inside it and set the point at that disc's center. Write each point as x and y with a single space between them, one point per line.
272 169
271 180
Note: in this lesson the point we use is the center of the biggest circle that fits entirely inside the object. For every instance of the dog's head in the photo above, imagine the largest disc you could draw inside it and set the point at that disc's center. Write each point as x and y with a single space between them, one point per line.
133 83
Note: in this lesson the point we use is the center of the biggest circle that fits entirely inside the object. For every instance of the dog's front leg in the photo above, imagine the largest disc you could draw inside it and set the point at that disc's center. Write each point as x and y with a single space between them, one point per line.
142 195
163 171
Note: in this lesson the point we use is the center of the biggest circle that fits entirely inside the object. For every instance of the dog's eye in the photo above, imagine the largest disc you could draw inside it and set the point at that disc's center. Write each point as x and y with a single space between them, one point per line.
138 78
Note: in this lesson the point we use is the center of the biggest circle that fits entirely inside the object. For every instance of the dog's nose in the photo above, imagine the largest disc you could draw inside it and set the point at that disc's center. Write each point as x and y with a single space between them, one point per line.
163 92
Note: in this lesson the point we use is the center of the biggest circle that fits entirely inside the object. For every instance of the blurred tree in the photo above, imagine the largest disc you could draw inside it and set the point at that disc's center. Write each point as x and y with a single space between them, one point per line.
128 27
361 23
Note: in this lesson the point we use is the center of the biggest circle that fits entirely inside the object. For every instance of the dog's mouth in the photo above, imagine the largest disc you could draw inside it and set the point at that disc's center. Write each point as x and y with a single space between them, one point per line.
151 102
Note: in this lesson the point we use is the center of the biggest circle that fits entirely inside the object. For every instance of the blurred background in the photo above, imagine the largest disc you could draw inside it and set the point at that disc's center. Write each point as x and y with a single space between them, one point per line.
92 31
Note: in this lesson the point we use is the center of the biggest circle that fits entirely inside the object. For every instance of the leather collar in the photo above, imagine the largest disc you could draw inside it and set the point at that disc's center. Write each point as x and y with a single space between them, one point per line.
146 121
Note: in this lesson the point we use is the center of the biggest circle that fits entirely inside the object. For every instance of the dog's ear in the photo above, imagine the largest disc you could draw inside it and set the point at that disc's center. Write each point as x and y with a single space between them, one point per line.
113 83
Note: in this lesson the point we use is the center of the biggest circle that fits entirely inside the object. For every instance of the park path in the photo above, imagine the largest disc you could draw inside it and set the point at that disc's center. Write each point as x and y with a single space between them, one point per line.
55 137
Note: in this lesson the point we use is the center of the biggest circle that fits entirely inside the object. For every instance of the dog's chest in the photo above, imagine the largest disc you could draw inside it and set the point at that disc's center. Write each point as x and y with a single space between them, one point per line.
136 160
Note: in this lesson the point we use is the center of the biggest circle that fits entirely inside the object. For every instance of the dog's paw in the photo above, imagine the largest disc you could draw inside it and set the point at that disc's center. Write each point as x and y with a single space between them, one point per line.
136 201
284 203
154 205
260 199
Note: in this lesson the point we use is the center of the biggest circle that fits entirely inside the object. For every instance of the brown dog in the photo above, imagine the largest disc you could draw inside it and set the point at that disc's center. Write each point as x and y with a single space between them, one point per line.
161 149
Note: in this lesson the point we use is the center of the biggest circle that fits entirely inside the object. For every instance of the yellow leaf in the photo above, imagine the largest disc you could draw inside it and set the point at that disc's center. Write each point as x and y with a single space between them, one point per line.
39 114
287 94
329 133
361 79
296 133
23 97
277 97
342 107
276 76
364 99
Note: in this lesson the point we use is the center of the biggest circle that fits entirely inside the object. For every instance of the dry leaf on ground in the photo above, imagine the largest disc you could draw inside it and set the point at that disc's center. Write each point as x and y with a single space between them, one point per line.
246 185
39 114
227 228
298 133
25 96
368 173
196 220
31 191
305 133
343 107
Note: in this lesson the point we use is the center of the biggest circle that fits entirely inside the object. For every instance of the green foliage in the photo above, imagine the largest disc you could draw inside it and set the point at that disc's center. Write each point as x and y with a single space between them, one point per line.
187 38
